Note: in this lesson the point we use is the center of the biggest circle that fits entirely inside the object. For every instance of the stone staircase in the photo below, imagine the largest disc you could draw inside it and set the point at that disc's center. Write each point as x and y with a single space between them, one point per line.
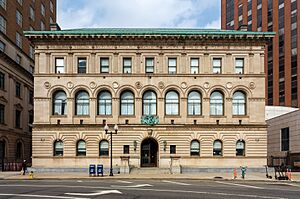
150 170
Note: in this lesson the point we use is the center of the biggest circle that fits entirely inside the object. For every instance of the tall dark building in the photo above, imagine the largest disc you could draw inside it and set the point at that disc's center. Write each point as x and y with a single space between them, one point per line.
282 60
16 75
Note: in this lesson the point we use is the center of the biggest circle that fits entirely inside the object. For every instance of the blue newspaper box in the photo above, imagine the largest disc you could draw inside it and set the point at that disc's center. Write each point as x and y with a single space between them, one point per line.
92 169
100 169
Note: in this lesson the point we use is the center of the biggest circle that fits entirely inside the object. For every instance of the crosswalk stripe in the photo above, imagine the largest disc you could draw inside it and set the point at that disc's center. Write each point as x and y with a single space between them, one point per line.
179 183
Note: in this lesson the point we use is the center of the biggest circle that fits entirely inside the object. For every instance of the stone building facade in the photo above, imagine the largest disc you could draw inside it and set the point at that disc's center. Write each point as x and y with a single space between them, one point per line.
206 89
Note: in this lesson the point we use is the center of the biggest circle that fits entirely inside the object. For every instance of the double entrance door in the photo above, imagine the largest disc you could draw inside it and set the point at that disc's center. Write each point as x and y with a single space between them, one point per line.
149 149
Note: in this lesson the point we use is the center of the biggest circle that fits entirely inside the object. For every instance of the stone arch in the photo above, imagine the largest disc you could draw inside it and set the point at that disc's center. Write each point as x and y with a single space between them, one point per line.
175 88
195 88
220 88
150 88
243 89
55 88
104 88
79 88
124 88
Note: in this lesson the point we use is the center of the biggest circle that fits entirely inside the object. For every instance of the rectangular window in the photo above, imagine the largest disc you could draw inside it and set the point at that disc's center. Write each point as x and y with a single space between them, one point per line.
43 9
194 65
31 51
172 65
51 6
18 59
2 46
2 81
172 149
127 64
285 139
81 65
18 89
2 24
18 119
31 69
239 65
18 40
30 120
3 4
217 65
2 114
43 27
126 149
31 13
59 65
149 65
19 18
30 97
51 20
104 65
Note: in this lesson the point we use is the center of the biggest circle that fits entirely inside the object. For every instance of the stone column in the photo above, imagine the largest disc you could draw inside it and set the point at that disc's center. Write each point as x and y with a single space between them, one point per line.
160 110
93 109
138 108
115 63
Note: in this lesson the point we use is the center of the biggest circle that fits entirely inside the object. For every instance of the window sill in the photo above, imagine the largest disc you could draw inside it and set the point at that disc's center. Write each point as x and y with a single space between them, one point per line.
195 116
58 116
104 116
218 116
127 116
240 116
172 116
81 116
2 89
19 97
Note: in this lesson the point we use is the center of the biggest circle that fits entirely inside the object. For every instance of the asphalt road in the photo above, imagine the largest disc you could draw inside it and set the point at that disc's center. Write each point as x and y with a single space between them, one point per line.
153 189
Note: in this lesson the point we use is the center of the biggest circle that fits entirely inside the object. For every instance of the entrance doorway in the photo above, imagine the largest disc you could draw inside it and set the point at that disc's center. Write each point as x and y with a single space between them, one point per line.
2 155
149 150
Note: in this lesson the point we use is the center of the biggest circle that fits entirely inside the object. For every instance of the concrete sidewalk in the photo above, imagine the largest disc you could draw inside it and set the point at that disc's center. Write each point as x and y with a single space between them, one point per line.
192 176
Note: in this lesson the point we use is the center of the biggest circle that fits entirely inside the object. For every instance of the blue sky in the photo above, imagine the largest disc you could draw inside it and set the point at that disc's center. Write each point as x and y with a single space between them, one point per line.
139 13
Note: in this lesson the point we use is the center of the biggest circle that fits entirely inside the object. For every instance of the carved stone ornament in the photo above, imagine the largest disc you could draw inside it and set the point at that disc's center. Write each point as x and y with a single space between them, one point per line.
47 85
70 85
115 85
229 85
252 85
184 85
161 85
138 85
93 85
206 85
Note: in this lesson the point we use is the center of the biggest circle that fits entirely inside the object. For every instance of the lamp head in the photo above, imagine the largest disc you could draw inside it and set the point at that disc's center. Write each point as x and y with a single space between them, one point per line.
116 128
106 127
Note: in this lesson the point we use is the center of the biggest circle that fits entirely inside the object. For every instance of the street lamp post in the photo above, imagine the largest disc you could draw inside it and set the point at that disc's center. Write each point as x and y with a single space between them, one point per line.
106 128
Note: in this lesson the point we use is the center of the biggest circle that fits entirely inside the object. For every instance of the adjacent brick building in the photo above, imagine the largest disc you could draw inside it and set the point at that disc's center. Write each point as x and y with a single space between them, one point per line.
282 60
16 74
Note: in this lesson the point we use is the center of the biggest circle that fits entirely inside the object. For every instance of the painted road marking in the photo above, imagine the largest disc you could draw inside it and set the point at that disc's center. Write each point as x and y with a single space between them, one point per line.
149 189
96 193
179 183
37 196
134 186
240 185
126 182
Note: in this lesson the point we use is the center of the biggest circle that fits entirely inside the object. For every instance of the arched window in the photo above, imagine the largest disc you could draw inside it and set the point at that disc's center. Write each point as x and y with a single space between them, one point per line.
58 148
217 148
240 148
127 103
216 103
194 103
59 103
239 103
103 148
104 103
19 153
172 103
149 103
81 148
82 103
195 147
